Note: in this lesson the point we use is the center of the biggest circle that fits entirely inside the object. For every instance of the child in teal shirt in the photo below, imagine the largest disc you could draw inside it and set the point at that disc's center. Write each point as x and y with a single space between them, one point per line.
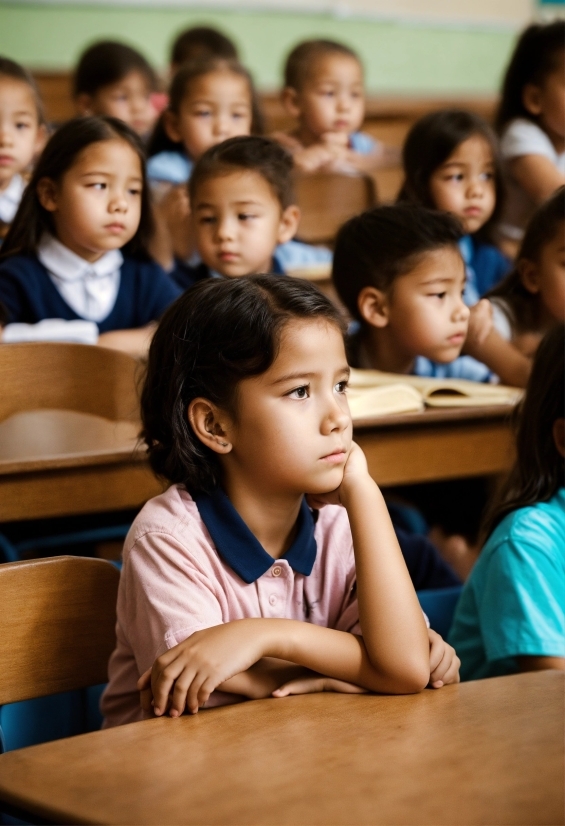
511 615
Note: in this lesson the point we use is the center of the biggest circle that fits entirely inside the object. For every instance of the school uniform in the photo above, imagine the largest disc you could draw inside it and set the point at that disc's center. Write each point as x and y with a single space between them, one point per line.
170 167
116 293
485 267
363 143
10 199
463 367
513 603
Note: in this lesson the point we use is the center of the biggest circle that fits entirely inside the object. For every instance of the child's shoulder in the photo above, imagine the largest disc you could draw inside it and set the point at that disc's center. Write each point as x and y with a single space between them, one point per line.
524 137
22 266
363 143
172 514
171 167
539 527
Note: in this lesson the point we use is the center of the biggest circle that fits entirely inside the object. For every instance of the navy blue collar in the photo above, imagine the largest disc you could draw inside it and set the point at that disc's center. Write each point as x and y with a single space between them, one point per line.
242 550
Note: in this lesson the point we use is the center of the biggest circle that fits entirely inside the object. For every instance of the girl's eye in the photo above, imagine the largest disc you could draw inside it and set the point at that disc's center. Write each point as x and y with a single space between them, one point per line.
245 216
341 386
99 186
203 113
438 295
22 125
134 190
299 392
207 219
487 176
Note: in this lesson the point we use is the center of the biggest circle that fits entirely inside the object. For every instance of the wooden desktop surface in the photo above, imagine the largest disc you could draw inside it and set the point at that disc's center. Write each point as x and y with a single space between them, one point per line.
487 752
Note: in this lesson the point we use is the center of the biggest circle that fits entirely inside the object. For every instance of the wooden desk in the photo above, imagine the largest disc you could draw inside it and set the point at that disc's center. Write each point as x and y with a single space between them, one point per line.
437 444
488 752
60 462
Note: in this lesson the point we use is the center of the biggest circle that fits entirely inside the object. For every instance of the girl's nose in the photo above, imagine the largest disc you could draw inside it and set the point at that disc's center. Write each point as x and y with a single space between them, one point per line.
118 202
337 418
225 229
461 312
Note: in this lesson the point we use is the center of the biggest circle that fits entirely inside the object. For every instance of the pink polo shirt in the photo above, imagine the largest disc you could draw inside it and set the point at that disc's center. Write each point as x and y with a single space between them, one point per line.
175 582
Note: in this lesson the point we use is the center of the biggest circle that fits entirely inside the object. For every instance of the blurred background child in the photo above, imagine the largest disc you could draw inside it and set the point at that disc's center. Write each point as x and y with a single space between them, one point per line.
324 91
22 135
451 162
76 249
511 615
531 123
199 42
114 79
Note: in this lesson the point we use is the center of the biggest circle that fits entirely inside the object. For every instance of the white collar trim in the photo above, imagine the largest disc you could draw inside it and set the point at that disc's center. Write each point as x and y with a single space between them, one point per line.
66 265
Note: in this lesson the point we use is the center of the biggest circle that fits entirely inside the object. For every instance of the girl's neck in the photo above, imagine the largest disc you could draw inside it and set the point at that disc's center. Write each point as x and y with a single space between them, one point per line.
83 252
270 518
379 350
305 137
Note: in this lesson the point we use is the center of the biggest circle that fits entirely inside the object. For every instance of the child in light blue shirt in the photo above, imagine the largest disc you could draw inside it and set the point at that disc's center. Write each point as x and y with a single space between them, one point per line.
511 615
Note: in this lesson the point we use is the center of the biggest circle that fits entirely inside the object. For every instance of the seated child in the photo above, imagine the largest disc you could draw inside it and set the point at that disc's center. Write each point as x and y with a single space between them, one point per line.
323 90
244 214
114 79
398 270
22 135
451 162
244 412
531 123
198 42
76 247
511 615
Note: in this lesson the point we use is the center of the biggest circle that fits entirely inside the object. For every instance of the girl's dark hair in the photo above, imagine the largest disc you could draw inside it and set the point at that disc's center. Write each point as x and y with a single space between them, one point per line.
539 470
8 68
32 220
535 55
546 223
201 41
108 62
219 332
429 144
301 59
252 152
180 88
378 246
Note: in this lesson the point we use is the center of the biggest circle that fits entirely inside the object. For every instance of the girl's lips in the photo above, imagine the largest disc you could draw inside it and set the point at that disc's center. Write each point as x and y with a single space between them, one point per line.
6 160
473 211
335 458
457 338
115 229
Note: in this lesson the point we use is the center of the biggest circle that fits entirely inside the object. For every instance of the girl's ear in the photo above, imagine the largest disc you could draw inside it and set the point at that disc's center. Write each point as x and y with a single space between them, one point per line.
531 99
171 126
288 225
374 307
289 98
47 194
210 425
528 275
84 104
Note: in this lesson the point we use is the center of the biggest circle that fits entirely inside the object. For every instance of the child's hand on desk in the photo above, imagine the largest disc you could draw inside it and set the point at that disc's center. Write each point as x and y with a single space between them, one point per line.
444 662
316 684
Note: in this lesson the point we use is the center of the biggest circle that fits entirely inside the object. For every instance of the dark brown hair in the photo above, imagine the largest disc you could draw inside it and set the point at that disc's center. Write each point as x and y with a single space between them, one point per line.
219 332
535 56
180 89
201 41
300 61
542 229
261 155
62 149
429 144
539 470
108 62
9 68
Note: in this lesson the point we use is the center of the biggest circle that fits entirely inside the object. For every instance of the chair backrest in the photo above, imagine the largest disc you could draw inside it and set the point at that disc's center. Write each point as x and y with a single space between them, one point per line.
80 377
328 200
57 625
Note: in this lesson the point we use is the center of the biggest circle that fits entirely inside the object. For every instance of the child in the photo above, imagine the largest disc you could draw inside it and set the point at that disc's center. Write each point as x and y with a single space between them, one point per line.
531 122
324 91
198 42
511 616
244 214
86 201
22 135
114 79
244 411
531 298
451 162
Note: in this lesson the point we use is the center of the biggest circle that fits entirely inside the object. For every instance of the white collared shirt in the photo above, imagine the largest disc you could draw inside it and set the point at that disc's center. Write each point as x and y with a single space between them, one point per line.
89 289
10 199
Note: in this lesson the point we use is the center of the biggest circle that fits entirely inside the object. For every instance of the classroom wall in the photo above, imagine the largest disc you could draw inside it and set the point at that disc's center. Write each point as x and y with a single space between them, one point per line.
400 56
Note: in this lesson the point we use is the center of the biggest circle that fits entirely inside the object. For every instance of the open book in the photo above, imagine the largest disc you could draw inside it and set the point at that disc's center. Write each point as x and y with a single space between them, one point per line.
373 393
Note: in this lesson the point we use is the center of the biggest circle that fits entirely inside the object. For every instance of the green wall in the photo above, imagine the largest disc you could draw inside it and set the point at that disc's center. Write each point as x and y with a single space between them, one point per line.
398 57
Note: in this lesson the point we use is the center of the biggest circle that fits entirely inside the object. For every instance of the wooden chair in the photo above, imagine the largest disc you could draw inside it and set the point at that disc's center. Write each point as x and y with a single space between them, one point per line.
77 377
328 200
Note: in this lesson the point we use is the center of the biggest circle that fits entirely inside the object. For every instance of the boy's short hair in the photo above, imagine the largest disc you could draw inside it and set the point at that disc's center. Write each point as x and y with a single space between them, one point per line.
252 152
201 41
107 62
375 248
301 59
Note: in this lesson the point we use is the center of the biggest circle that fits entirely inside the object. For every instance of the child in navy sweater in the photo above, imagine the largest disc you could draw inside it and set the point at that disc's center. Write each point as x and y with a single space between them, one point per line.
76 247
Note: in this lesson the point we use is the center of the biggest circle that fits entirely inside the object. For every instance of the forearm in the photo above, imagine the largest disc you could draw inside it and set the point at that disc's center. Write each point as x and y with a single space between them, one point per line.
537 175
500 356
134 342
263 678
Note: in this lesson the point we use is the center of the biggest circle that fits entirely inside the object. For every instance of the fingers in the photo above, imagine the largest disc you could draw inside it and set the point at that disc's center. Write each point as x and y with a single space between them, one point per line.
146 700
305 685
446 671
163 676
144 681
436 649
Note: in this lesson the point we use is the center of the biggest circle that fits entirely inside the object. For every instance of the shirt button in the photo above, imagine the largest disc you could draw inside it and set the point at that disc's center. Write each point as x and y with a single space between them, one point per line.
277 570
273 599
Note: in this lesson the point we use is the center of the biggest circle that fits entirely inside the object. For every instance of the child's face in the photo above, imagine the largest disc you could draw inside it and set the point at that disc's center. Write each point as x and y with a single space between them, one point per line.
546 277
238 223
96 207
547 101
129 100
217 107
464 184
21 136
293 429
425 310
332 98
